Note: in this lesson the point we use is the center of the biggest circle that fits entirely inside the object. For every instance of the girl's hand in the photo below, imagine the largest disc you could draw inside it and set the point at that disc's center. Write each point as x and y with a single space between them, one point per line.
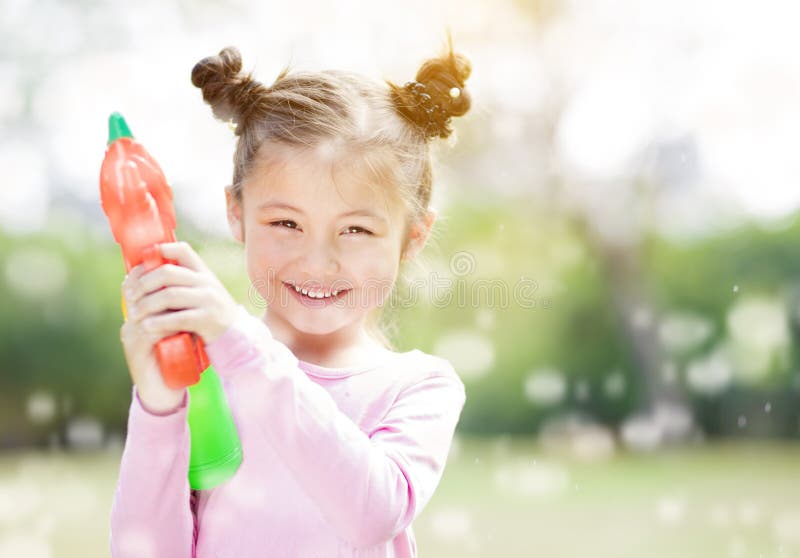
183 297
202 305
139 346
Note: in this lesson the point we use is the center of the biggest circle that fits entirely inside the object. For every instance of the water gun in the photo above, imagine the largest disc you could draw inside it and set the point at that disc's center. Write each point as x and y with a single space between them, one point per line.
137 200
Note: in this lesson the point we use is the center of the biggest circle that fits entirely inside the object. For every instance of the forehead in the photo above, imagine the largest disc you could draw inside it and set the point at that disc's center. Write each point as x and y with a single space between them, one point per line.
322 178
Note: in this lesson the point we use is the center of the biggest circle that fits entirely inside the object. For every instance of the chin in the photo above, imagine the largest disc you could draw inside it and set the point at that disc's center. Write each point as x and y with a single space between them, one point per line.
317 327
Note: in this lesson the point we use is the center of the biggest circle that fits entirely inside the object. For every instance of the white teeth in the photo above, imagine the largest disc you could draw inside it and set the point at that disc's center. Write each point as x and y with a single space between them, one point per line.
316 294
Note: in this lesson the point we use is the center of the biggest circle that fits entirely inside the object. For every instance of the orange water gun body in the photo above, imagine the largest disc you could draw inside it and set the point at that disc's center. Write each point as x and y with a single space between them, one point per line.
138 203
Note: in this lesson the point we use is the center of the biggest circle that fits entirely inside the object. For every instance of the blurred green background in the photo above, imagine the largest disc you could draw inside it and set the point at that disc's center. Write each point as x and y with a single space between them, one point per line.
612 273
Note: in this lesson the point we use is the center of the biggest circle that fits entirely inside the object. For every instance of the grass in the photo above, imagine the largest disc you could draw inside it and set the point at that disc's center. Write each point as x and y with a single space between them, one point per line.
504 497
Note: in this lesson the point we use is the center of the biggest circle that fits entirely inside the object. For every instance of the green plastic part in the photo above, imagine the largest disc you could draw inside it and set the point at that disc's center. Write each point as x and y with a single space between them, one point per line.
215 450
117 128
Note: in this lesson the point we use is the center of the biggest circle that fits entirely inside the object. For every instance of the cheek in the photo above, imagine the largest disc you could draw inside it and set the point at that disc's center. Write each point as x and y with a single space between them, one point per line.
264 257
378 275
371 258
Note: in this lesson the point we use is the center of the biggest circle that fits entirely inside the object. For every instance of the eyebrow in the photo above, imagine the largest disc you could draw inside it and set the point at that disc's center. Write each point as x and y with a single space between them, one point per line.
281 205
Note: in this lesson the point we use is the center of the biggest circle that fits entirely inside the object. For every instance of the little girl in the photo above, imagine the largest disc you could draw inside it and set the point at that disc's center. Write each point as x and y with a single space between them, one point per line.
344 440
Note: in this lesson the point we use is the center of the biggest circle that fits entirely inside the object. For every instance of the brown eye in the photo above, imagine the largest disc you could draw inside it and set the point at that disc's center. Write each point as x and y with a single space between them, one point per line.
280 224
361 229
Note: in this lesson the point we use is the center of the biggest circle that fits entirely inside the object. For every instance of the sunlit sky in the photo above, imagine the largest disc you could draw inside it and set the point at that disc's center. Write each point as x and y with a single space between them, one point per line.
717 80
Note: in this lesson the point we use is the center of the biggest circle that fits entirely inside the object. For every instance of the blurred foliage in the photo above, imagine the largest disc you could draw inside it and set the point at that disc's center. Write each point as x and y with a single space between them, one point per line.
59 325
570 326
707 277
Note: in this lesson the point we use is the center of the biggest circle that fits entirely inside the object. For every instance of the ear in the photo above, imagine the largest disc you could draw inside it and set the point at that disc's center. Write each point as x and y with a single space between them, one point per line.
235 213
418 235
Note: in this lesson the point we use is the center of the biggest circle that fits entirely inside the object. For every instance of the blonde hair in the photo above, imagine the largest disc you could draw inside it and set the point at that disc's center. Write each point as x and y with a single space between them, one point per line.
385 126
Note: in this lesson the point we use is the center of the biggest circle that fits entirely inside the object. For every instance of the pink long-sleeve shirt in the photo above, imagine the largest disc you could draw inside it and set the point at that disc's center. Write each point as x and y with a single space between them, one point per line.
336 462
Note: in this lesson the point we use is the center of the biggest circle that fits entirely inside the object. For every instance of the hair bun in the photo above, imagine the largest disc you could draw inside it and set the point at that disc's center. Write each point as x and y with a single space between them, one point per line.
437 94
218 78
224 66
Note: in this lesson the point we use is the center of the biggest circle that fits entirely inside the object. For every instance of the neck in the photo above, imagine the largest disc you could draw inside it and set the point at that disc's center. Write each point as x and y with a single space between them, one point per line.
343 348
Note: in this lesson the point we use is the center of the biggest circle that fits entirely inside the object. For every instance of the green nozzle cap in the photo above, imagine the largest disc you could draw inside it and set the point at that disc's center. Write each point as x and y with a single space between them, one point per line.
117 128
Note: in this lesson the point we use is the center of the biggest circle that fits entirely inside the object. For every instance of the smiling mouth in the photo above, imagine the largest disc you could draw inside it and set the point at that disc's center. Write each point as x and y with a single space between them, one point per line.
319 299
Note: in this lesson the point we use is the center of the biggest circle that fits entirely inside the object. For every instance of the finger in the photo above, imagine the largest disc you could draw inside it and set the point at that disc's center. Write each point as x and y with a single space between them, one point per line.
166 275
132 335
129 288
183 253
132 275
170 298
169 323
124 332
138 270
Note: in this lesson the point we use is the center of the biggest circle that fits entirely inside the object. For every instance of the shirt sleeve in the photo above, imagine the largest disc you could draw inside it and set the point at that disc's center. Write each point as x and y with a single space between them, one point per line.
368 486
151 513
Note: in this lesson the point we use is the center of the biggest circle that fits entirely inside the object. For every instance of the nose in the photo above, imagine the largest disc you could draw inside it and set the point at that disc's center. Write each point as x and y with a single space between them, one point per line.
321 258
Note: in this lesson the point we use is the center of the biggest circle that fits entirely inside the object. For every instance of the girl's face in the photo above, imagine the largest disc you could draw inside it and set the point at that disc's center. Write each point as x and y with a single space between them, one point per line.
310 225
